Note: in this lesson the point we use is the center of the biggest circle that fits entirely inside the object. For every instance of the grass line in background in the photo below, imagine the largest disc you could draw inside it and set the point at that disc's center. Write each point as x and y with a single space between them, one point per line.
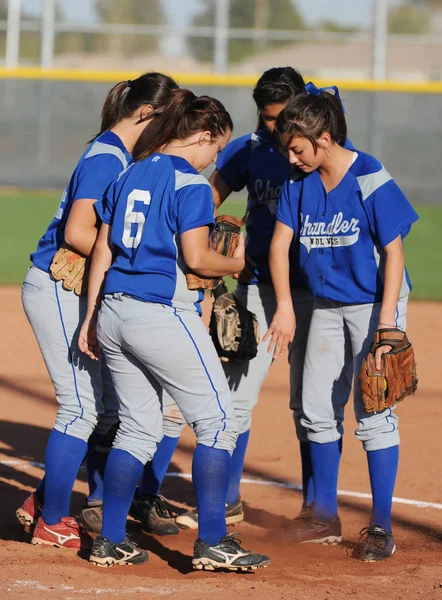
26 215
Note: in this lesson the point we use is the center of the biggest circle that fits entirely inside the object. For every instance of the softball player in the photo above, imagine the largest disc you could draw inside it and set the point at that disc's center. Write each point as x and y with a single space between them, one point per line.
83 387
255 162
350 218
156 220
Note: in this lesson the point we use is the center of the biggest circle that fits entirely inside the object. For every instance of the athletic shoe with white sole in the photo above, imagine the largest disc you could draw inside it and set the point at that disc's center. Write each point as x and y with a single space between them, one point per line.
65 534
154 515
91 518
227 554
234 514
375 543
313 531
29 512
105 553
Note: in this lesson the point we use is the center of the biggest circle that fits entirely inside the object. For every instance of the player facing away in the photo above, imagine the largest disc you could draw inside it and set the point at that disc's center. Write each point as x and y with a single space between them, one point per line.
350 218
156 223
86 398
255 162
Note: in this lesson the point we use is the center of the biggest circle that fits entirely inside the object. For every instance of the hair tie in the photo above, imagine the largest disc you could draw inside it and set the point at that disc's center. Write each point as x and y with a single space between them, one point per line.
311 88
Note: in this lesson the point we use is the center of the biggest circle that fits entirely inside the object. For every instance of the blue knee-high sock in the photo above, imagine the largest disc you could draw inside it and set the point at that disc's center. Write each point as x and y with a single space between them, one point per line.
382 466
64 455
236 467
120 480
210 473
156 469
40 491
95 465
307 474
325 465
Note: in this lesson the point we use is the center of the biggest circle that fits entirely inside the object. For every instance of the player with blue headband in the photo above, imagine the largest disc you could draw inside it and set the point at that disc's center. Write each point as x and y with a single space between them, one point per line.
258 163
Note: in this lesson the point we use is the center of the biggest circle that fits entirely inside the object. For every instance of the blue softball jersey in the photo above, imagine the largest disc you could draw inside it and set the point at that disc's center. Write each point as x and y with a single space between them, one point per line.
100 164
343 233
254 162
154 202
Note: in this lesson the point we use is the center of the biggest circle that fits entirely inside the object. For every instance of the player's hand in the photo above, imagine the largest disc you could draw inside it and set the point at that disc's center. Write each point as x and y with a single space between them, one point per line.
282 330
378 356
241 248
87 340
239 252
246 275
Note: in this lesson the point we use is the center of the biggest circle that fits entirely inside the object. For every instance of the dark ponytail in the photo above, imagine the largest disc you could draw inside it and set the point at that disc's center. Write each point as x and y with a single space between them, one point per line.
276 86
185 115
311 115
128 96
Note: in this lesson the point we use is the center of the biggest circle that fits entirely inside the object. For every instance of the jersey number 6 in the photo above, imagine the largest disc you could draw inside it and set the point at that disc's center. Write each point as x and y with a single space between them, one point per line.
132 235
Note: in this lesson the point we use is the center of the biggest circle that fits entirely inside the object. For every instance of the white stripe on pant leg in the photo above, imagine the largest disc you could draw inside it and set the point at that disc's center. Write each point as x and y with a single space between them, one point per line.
55 315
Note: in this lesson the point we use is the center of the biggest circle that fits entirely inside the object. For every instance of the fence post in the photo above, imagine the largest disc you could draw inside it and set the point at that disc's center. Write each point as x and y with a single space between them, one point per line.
220 52
380 39
13 34
47 35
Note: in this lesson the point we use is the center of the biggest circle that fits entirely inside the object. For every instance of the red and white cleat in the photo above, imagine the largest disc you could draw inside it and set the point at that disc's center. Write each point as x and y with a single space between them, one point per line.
65 534
29 512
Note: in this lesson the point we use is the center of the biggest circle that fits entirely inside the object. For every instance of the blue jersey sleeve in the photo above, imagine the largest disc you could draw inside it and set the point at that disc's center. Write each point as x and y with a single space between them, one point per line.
390 213
284 213
104 207
95 176
195 207
233 162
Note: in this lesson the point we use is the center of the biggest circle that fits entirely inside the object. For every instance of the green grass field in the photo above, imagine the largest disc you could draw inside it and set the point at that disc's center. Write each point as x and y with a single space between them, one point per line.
26 214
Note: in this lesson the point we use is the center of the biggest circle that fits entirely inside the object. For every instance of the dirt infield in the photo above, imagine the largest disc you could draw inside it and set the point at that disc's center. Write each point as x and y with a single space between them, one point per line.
302 572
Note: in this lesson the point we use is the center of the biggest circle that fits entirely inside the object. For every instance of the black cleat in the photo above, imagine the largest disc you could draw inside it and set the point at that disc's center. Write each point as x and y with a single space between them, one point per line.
227 554
91 518
234 514
375 543
104 553
312 531
154 515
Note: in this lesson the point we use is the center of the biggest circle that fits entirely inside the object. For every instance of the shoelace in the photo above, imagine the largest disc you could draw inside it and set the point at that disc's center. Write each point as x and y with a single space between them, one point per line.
379 532
235 540
162 507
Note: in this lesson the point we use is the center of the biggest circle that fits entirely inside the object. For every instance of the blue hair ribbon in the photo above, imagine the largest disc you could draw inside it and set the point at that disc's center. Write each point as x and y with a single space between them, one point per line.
311 88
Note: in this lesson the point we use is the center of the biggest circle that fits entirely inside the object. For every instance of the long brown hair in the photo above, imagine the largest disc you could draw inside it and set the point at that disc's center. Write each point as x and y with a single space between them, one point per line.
128 96
276 86
185 115
311 115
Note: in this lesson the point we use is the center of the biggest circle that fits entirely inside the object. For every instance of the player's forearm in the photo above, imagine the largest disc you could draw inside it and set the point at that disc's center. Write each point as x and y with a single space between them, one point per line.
394 272
82 240
220 189
101 261
279 270
210 263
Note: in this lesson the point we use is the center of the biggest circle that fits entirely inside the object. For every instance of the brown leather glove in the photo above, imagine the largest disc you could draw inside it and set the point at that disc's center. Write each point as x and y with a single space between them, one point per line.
224 239
397 376
233 328
72 269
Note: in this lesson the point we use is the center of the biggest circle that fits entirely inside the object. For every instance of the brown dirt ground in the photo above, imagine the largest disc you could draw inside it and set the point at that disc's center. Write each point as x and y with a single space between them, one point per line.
314 573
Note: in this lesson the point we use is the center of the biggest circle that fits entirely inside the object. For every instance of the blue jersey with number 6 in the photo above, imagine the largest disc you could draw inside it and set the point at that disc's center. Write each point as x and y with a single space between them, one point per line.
154 202
100 164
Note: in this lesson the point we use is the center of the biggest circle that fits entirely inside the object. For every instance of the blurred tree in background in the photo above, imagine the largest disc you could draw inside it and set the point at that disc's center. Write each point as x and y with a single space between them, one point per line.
334 27
247 14
409 19
29 40
139 12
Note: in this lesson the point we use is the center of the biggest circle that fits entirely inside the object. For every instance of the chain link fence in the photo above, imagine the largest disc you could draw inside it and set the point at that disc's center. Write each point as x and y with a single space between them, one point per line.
45 125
